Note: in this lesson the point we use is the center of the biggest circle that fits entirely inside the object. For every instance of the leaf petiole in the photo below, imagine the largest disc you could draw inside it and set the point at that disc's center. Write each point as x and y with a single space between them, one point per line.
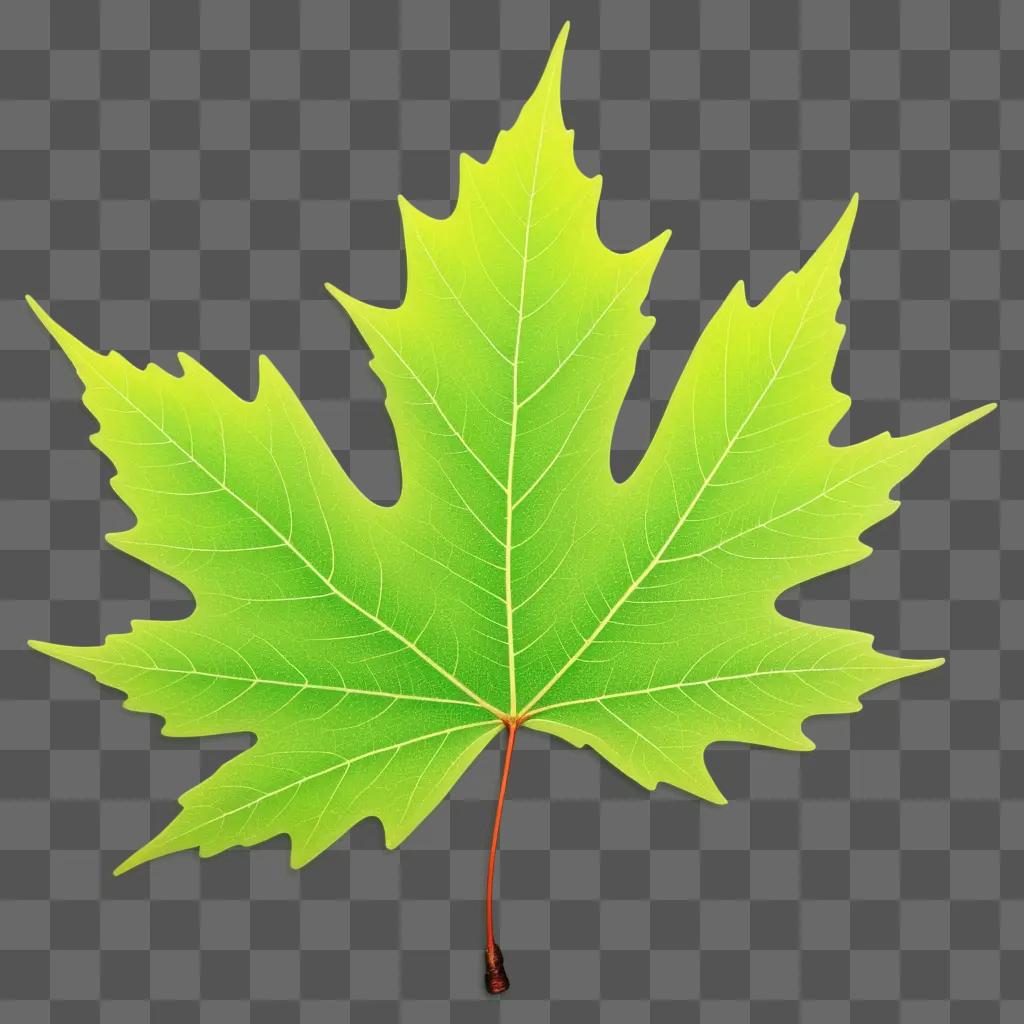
495 978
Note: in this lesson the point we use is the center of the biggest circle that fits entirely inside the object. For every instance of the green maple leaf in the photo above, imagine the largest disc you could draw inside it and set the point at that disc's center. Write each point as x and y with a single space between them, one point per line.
374 652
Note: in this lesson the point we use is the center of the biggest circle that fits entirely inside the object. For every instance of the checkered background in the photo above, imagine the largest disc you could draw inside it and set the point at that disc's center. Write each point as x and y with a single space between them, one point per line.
184 176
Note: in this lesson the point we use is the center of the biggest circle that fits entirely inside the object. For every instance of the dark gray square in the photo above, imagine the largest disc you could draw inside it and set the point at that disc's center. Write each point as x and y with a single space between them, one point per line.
974 25
125 275
825 74
324 74
274 124
173 323
674 925
425 875
74 1011
224 275
224 974
224 74
473 26
924 974
74 124
24 974
374 24
325 974
576 924
426 74
25 174
174 924
775 26
25 74
124 174
174 224
724 974
374 125
74 24
275 924
374 924
874 25
425 975
826 974
174 124
124 74
174 24
74 924
774 924
624 74
74 825
625 974
324 174
274 26
724 174
924 874
223 174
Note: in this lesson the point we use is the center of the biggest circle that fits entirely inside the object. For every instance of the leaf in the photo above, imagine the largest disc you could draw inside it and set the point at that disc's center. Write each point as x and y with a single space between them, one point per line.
374 652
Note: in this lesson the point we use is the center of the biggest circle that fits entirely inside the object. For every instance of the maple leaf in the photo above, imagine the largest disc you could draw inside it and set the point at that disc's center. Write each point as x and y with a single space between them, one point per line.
374 652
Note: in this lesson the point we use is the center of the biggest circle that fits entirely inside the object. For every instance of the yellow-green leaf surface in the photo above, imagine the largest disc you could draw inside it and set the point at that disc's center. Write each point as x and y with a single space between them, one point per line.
373 652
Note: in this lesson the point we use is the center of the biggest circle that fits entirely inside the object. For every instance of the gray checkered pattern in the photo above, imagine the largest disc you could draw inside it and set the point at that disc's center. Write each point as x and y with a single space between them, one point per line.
184 176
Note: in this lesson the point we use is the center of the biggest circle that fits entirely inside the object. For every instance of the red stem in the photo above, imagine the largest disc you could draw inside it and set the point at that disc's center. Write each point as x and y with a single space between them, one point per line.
495 978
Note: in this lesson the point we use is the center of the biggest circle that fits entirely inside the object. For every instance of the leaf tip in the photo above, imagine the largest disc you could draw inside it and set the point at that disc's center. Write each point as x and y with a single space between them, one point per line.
958 423
50 649
129 863
550 81
838 239
558 47
269 379
188 364
41 314
78 352
972 416
343 298
659 243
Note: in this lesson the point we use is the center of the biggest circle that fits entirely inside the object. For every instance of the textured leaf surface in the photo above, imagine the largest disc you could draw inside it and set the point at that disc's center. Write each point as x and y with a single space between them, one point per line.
373 652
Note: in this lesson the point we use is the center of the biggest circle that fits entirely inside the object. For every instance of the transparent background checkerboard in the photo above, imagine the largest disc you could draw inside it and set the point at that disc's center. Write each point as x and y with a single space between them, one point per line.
185 176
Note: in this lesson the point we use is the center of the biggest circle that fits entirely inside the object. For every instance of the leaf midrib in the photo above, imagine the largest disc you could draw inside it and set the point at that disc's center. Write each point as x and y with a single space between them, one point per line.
709 681
263 680
514 425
